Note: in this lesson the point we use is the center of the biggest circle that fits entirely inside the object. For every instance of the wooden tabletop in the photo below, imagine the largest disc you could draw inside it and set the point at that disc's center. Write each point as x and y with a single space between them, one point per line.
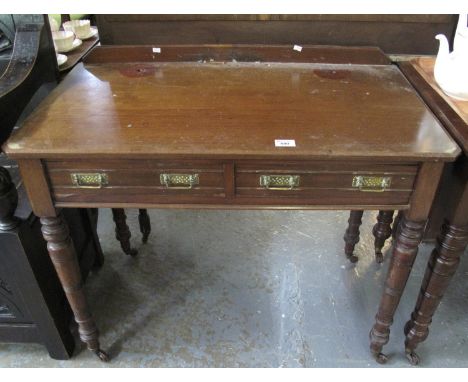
233 109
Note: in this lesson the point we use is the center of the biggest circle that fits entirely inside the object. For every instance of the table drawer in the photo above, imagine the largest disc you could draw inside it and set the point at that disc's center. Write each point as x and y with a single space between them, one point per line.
144 181
326 183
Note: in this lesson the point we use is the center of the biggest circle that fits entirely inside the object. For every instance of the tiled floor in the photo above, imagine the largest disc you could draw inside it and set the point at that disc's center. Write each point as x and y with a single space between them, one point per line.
251 289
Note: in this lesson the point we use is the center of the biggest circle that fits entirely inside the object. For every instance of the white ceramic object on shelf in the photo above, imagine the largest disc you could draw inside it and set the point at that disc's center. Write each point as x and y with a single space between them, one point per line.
54 25
451 69
460 41
76 43
81 28
61 59
63 40
93 32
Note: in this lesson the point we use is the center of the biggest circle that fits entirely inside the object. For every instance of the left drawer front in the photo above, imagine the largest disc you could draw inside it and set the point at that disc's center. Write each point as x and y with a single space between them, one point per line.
135 181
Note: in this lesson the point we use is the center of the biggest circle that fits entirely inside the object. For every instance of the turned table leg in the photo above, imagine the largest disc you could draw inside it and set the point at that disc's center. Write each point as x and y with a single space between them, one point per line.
408 236
403 256
145 224
442 265
444 260
122 232
62 253
382 231
351 236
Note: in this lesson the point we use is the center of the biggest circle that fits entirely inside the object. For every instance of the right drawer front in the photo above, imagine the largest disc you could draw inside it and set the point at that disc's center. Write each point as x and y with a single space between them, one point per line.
326 183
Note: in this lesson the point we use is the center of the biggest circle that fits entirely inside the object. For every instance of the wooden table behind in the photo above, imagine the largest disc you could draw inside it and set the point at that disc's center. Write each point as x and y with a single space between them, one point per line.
449 215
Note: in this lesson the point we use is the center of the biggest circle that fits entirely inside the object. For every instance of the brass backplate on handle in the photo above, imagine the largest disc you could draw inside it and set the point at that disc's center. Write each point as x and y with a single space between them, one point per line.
90 180
371 183
279 182
179 180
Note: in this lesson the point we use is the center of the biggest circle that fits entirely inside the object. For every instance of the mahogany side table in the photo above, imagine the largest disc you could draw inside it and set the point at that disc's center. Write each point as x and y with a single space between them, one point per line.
233 126
451 204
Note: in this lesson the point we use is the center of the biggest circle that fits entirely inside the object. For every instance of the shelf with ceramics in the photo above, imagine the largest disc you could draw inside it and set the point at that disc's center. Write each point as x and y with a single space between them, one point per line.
73 35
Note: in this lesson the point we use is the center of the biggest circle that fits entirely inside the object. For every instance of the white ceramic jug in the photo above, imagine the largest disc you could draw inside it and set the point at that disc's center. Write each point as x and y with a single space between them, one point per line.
460 41
451 69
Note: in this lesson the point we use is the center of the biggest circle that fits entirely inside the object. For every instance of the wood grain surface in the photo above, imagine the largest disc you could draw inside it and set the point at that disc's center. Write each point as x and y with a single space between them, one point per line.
231 109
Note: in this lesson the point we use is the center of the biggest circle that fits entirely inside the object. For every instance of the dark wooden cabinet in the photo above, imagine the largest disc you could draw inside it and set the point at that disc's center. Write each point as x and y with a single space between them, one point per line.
33 307
394 34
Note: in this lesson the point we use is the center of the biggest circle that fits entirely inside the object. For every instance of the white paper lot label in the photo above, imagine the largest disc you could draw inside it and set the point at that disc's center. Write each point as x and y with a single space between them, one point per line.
285 142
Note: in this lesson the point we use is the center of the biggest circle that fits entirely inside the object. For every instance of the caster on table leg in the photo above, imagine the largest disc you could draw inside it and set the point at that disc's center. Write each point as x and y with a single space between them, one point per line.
377 342
381 358
351 236
103 356
382 231
412 357
379 258
122 232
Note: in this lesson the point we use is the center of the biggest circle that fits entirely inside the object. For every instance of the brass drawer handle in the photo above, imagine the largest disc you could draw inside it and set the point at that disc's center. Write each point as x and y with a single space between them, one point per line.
179 180
279 182
372 183
90 180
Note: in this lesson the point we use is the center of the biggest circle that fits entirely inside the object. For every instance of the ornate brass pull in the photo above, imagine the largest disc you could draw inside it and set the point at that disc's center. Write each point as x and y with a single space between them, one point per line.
372 183
179 180
93 180
279 182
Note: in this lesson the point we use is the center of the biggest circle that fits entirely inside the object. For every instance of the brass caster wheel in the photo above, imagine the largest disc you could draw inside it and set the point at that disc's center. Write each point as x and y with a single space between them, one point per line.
381 358
412 357
103 356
